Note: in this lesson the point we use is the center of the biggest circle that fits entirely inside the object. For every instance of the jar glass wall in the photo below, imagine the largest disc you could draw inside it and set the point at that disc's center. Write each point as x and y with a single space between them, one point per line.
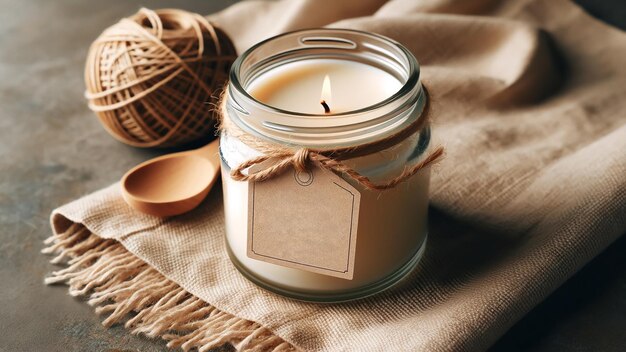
392 226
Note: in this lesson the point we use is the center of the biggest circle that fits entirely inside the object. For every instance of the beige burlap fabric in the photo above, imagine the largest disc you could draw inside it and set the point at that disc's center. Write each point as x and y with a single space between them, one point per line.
530 103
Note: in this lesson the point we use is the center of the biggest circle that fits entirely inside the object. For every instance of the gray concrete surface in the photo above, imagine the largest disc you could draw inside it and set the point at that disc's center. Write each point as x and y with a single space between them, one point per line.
52 150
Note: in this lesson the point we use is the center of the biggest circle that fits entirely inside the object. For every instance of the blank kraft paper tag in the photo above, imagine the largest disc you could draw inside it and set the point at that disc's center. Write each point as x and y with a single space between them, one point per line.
304 220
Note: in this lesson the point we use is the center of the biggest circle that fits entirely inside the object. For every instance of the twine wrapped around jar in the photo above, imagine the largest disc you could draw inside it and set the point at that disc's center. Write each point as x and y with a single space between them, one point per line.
151 76
329 159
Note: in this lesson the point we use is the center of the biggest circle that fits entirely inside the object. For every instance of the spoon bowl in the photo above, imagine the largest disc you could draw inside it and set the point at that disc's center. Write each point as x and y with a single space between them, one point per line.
172 184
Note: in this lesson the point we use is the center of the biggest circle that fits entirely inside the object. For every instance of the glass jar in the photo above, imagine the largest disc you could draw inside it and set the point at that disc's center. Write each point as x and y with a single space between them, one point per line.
392 225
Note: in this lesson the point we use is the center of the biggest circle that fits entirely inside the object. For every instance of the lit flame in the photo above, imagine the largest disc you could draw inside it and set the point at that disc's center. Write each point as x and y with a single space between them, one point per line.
326 95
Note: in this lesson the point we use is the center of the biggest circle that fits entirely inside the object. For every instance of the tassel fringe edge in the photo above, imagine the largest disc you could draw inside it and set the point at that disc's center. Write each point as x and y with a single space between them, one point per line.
127 290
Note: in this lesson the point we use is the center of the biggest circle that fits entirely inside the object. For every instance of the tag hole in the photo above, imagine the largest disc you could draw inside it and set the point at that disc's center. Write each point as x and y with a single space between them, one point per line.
304 178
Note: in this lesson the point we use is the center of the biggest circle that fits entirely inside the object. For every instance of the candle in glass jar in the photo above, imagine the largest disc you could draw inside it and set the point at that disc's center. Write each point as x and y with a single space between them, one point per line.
296 86
399 212
353 73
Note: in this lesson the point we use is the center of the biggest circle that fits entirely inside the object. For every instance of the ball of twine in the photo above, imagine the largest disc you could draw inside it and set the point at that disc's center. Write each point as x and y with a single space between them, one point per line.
152 77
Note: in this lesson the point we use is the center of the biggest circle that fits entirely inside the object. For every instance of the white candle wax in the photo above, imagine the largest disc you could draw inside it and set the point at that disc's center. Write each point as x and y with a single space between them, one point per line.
297 86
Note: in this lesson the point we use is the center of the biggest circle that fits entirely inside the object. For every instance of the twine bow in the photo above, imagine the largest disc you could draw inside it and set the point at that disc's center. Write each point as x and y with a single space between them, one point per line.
300 159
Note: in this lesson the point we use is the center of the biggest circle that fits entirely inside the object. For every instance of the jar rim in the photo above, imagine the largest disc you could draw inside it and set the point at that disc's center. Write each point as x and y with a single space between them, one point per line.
348 128
407 86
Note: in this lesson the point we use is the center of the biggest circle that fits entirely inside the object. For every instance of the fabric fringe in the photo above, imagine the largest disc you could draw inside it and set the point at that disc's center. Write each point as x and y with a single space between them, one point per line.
125 288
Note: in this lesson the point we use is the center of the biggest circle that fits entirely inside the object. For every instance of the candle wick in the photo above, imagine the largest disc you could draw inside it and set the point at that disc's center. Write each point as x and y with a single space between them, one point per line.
326 107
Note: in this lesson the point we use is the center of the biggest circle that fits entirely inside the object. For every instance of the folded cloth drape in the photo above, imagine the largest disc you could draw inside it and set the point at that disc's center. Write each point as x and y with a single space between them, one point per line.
530 104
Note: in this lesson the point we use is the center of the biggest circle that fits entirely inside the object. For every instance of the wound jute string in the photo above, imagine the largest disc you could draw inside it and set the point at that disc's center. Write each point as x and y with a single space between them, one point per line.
150 76
331 159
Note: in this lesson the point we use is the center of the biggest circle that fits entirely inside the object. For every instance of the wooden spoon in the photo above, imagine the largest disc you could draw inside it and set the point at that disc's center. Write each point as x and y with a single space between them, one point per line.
172 184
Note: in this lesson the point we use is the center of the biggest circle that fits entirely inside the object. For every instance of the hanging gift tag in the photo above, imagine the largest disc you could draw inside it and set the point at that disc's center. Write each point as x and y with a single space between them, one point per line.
304 220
